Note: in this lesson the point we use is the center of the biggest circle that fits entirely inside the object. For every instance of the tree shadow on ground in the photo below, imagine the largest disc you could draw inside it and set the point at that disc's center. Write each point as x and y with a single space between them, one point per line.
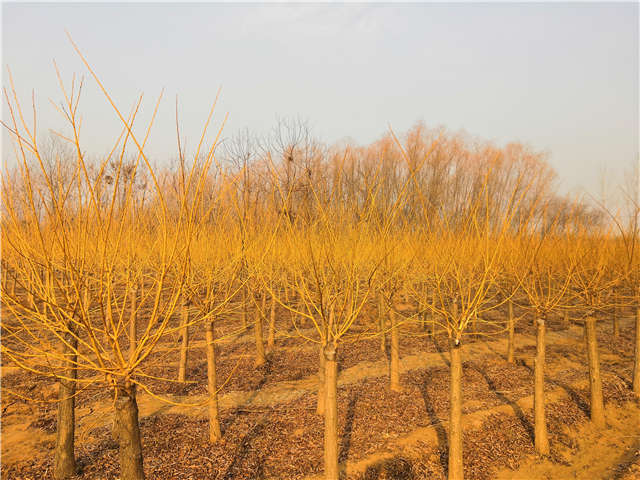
397 468
243 450
441 432
517 410
345 443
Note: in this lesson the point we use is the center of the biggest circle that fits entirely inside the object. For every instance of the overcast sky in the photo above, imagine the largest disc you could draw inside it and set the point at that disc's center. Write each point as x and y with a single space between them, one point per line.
561 77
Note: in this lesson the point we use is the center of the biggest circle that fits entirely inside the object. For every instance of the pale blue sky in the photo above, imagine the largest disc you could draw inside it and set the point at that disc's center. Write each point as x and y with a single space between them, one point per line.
560 77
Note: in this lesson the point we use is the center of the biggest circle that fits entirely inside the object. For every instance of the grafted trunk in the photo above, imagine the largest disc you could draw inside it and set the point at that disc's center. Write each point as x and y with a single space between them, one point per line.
128 433
394 364
511 328
331 414
64 458
184 346
636 363
455 413
540 422
595 381
271 338
261 358
215 433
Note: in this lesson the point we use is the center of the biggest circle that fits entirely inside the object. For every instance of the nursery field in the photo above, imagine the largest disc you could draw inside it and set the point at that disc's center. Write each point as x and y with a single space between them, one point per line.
426 306
271 429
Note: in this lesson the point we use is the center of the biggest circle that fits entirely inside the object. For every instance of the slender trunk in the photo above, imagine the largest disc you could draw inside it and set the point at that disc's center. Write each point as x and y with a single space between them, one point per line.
64 458
595 381
184 347
128 432
321 382
394 364
12 291
245 309
381 324
271 339
540 422
331 414
141 288
133 341
257 330
636 364
31 301
455 414
511 344
215 433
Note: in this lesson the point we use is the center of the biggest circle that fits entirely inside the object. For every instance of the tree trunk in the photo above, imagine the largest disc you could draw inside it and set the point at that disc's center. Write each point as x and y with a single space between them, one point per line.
245 312
128 432
595 381
394 364
215 433
257 330
540 422
321 382
271 338
331 414
381 324
13 286
133 342
636 364
511 344
455 414
184 347
64 458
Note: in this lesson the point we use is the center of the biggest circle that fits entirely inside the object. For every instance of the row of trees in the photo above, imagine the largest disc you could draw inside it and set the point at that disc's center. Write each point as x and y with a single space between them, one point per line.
103 260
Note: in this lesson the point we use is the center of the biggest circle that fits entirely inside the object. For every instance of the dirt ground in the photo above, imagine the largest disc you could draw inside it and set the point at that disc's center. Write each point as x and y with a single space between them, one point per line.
271 430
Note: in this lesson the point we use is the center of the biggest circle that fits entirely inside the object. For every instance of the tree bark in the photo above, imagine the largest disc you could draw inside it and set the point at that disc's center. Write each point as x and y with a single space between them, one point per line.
540 422
184 346
64 458
382 324
215 433
394 364
245 312
595 381
133 341
271 338
257 330
128 432
511 344
636 363
455 414
321 382
331 414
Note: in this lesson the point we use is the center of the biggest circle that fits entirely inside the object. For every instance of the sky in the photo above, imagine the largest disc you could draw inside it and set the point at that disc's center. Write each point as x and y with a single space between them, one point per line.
562 78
